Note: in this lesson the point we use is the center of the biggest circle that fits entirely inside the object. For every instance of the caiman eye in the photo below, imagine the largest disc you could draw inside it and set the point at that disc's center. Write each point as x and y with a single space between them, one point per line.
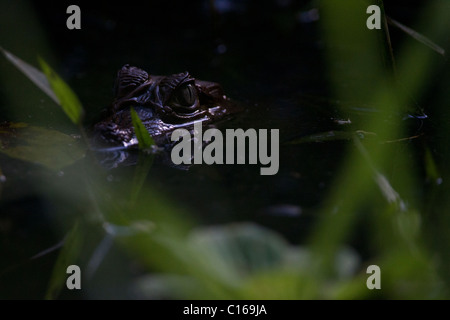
185 96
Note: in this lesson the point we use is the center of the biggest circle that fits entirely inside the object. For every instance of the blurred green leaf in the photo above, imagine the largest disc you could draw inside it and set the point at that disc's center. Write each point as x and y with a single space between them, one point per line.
68 256
68 100
241 260
144 138
49 148
241 249
35 75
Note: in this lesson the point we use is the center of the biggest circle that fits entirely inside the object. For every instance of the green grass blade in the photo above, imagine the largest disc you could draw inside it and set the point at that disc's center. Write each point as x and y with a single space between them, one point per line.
68 100
419 37
145 161
144 138
35 75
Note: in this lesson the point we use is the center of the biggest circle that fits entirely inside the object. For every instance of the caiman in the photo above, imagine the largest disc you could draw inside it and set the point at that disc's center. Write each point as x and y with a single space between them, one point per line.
163 103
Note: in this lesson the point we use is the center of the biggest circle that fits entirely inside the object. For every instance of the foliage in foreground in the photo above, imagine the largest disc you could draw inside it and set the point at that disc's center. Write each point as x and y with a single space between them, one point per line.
247 261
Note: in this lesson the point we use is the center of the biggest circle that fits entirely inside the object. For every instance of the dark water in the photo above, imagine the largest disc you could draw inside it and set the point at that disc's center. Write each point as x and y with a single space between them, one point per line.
266 54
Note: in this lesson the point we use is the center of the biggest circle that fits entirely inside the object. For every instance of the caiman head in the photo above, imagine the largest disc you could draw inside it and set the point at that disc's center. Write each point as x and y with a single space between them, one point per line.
163 103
